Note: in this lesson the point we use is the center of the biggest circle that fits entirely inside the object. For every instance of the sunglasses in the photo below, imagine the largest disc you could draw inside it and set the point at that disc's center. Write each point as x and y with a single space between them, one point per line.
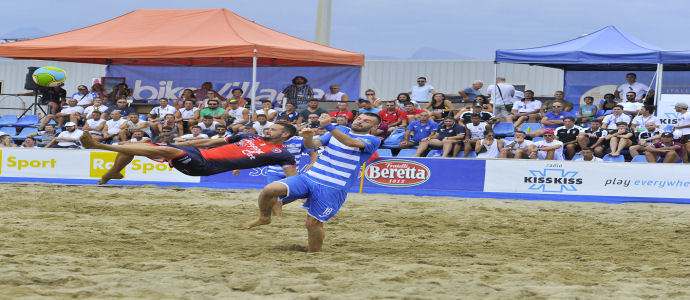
369 94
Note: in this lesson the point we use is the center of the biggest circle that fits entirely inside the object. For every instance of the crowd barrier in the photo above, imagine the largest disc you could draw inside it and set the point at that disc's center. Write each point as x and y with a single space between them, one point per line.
471 178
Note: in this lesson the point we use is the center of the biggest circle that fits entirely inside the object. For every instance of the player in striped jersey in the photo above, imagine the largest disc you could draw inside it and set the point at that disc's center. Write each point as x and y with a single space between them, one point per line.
326 184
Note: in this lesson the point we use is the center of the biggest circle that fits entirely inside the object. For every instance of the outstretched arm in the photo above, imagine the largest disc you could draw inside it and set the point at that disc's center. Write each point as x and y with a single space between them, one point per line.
204 143
325 120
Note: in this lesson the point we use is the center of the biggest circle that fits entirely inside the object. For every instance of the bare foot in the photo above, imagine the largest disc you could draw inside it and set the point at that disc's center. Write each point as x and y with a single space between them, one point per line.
107 176
614 154
87 140
258 222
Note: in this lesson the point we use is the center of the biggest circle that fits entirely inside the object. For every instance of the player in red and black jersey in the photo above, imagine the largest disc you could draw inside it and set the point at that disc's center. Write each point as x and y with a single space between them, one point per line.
241 151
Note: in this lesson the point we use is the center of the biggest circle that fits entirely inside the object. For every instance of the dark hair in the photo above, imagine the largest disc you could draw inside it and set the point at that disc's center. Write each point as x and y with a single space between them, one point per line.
294 80
633 74
589 97
474 115
596 121
628 92
406 96
586 149
408 103
193 96
197 126
569 118
378 118
421 77
163 98
208 117
287 127
237 89
221 126
529 91
649 108
261 115
166 128
442 94
622 123
609 94
487 132
214 100
618 105
520 131
190 100
484 99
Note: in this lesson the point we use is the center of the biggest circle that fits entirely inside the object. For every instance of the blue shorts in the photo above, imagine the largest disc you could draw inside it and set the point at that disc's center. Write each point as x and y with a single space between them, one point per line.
271 177
323 202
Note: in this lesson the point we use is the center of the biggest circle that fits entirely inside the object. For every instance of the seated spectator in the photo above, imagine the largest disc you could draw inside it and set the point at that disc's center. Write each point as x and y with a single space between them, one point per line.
335 94
138 136
111 130
263 123
646 138
121 91
246 129
213 110
381 131
620 138
208 125
29 142
665 148
367 107
237 116
444 137
471 92
312 108
606 105
6 141
95 125
439 107
69 138
517 148
170 121
371 96
553 119
158 113
616 116
266 109
195 135
312 122
221 132
588 111
166 137
188 115
342 120
47 135
341 110
474 133
83 96
404 98
291 114
525 110
482 101
488 147
418 130
547 149
187 94
133 123
594 138
412 111
98 91
237 96
477 109
588 155
72 113
393 117
646 115
630 106
122 107
558 96
97 106
568 134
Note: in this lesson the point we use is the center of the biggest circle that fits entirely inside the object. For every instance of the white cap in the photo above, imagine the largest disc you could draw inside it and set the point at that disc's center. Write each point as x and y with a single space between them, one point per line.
70 124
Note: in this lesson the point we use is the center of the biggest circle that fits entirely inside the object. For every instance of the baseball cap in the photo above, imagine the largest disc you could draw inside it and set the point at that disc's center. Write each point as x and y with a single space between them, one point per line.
682 105
548 131
667 134
70 124
232 101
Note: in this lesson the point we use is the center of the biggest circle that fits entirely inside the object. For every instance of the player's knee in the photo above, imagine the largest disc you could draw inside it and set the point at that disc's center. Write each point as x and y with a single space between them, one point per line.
275 189
313 223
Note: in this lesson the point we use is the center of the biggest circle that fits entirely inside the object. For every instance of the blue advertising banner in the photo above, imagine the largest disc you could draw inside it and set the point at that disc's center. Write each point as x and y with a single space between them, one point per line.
154 82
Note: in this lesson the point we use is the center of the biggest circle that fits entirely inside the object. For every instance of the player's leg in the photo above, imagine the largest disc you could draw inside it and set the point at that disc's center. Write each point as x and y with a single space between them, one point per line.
121 161
141 149
315 234
267 199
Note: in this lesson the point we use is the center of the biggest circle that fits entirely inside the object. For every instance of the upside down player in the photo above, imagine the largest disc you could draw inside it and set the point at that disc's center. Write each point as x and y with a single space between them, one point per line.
325 185
241 151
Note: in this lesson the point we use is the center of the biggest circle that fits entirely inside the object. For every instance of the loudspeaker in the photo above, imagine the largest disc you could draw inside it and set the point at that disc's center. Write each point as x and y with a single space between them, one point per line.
29 83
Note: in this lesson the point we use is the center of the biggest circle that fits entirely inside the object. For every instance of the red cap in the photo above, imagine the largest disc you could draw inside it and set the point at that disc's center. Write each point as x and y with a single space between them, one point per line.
548 131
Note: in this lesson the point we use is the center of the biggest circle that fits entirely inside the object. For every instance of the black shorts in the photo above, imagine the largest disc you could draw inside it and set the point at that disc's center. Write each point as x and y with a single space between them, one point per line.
191 162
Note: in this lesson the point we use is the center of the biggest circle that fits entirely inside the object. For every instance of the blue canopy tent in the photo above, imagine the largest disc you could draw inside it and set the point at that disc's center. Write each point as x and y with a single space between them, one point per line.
607 49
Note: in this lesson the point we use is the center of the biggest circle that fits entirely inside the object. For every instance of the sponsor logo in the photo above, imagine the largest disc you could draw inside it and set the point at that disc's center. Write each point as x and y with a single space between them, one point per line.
19 164
553 180
101 162
397 172
276 150
251 148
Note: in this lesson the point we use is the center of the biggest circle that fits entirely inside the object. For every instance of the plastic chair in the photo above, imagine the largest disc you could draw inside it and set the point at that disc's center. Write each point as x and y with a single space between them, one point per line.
26 131
8 120
472 154
609 158
668 128
143 117
9 130
407 152
384 152
504 129
576 156
508 139
639 158
529 127
435 153
27 120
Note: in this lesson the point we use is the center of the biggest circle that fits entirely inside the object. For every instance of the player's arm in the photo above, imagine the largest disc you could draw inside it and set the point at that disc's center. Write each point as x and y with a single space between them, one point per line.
290 170
309 141
204 143
325 120
313 156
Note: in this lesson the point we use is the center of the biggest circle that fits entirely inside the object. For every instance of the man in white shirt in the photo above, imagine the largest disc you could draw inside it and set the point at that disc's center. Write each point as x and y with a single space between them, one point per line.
83 96
547 149
616 116
651 135
631 106
208 125
72 113
238 115
525 110
684 127
640 89
646 115
588 155
97 105
111 131
420 92
195 135
158 113
501 97
335 94
517 148
68 138
261 124
95 125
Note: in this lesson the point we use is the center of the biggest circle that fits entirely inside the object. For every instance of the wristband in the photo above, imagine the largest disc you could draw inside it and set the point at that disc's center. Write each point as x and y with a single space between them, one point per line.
329 127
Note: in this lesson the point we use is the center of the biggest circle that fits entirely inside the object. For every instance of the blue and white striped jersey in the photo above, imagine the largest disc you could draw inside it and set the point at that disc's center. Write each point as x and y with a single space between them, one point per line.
338 165
295 145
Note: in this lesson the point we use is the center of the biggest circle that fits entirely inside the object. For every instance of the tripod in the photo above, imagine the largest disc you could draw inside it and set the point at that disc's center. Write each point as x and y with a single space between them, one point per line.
35 106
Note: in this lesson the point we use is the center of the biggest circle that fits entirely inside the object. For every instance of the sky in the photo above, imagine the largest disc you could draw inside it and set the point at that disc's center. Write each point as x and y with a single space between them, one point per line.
404 29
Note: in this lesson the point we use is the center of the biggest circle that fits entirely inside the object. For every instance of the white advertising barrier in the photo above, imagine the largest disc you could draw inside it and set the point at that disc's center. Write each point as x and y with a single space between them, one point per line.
81 164
665 108
581 178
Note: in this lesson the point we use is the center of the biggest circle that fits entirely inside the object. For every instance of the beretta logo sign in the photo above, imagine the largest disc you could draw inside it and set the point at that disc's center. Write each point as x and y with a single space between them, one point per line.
397 172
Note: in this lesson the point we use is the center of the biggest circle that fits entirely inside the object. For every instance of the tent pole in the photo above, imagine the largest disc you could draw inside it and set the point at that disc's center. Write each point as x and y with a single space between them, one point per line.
252 93
494 81
659 81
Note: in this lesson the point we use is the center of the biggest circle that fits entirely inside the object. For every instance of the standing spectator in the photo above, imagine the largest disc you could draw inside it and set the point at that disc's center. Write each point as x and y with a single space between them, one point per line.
121 106
517 148
335 94
267 110
684 127
121 91
83 96
166 137
439 107
588 155
238 115
6 141
261 124
97 106
392 117
484 116
568 134
473 134
418 130
547 149
620 138
420 92
646 115
646 138
488 147
587 111
312 108
341 110
525 110
631 106
72 113
666 148
640 89
188 115
616 116
299 90
187 94
68 138
552 119
95 125
200 93
133 123
558 96
471 92
214 110
502 97
55 97
111 130
47 135
195 135
594 137
371 96
441 137
368 107
290 113
157 114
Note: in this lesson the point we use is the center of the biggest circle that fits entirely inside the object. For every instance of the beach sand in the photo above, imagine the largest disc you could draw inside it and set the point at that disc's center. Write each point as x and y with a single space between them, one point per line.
60 241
